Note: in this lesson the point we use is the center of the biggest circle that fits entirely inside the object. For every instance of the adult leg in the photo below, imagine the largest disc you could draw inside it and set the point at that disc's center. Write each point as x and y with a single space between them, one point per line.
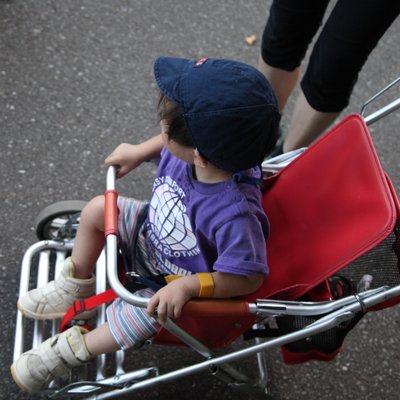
306 124
283 82
350 34
290 28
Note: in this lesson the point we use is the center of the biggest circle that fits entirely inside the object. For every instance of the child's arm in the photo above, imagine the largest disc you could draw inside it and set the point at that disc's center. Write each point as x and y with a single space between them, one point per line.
171 298
130 156
231 285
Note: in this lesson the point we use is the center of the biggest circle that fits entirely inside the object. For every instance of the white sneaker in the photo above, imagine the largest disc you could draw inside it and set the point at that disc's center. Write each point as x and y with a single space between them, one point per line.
54 299
52 359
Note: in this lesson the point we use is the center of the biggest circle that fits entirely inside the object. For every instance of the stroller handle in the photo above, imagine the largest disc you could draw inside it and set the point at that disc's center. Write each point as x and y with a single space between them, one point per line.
111 234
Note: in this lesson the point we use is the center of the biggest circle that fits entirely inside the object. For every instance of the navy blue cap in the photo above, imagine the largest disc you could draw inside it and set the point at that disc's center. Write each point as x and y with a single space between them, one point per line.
229 108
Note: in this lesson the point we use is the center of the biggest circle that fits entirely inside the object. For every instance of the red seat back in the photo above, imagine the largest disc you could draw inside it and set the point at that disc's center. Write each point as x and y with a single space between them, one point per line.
328 207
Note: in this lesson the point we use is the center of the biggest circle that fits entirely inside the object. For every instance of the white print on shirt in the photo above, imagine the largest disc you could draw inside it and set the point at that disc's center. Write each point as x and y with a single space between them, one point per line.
170 267
170 229
169 181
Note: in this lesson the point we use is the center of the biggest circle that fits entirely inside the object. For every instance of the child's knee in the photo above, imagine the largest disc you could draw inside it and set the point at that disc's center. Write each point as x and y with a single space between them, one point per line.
93 212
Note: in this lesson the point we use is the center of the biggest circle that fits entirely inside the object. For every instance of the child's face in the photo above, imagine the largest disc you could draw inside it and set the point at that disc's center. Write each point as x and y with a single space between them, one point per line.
184 153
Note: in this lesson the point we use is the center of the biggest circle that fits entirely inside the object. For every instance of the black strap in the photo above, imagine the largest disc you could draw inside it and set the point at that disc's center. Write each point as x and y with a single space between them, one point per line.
240 177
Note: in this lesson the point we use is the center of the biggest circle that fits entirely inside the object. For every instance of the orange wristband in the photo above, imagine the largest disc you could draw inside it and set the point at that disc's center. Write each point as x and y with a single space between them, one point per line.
206 284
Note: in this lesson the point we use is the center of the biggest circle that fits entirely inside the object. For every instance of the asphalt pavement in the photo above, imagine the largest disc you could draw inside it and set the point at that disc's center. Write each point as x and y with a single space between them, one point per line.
76 80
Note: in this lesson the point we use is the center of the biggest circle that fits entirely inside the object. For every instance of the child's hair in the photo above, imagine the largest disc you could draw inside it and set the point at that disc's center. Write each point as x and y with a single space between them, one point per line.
172 113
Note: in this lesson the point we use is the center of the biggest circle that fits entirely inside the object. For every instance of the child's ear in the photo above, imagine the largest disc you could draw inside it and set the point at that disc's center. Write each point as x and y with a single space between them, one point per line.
199 160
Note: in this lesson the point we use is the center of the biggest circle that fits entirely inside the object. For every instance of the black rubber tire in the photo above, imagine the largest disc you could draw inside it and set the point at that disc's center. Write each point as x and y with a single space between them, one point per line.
51 218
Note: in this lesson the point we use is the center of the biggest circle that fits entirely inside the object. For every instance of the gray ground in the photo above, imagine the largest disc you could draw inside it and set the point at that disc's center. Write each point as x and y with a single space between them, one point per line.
76 80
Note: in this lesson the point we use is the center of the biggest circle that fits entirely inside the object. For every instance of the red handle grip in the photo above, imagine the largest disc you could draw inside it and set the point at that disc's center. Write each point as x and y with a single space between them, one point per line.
216 308
111 213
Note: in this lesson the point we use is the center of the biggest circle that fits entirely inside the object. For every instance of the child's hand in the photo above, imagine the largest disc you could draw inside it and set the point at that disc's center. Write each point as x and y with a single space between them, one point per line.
170 299
127 157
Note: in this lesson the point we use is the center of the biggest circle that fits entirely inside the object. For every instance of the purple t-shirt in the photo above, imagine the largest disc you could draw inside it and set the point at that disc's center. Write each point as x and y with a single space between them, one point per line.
200 227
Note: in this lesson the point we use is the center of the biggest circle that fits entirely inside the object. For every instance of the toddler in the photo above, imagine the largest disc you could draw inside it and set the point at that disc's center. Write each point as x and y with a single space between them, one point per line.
204 221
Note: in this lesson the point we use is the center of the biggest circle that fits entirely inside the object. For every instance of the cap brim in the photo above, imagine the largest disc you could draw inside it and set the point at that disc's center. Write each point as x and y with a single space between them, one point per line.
168 72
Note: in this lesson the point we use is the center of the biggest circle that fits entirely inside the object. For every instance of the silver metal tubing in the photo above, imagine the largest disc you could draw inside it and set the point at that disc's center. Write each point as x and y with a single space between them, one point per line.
262 365
188 339
24 285
275 307
375 96
42 279
377 115
119 380
113 279
60 258
361 303
119 362
112 257
279 162
101 286
229 374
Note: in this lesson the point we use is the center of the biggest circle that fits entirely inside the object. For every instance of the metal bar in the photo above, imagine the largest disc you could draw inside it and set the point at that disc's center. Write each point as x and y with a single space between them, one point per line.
377 115
42 279
117 380
112 257
275 307
229 373
375 96
275 164
119 362
262 368
188 339
60 259
113 279
262 365
101 285
24 286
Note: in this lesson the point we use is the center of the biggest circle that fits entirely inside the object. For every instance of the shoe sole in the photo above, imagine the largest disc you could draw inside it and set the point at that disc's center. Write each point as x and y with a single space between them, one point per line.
17 381
43 317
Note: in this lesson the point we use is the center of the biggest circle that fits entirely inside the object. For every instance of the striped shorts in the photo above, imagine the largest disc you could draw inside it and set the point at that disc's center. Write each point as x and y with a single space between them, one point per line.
130 325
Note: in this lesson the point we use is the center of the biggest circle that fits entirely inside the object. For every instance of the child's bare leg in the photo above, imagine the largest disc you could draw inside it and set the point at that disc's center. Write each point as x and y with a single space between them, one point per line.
89 240
100 341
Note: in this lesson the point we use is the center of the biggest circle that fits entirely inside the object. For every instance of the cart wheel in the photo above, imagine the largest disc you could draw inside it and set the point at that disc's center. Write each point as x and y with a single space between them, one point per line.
59 221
